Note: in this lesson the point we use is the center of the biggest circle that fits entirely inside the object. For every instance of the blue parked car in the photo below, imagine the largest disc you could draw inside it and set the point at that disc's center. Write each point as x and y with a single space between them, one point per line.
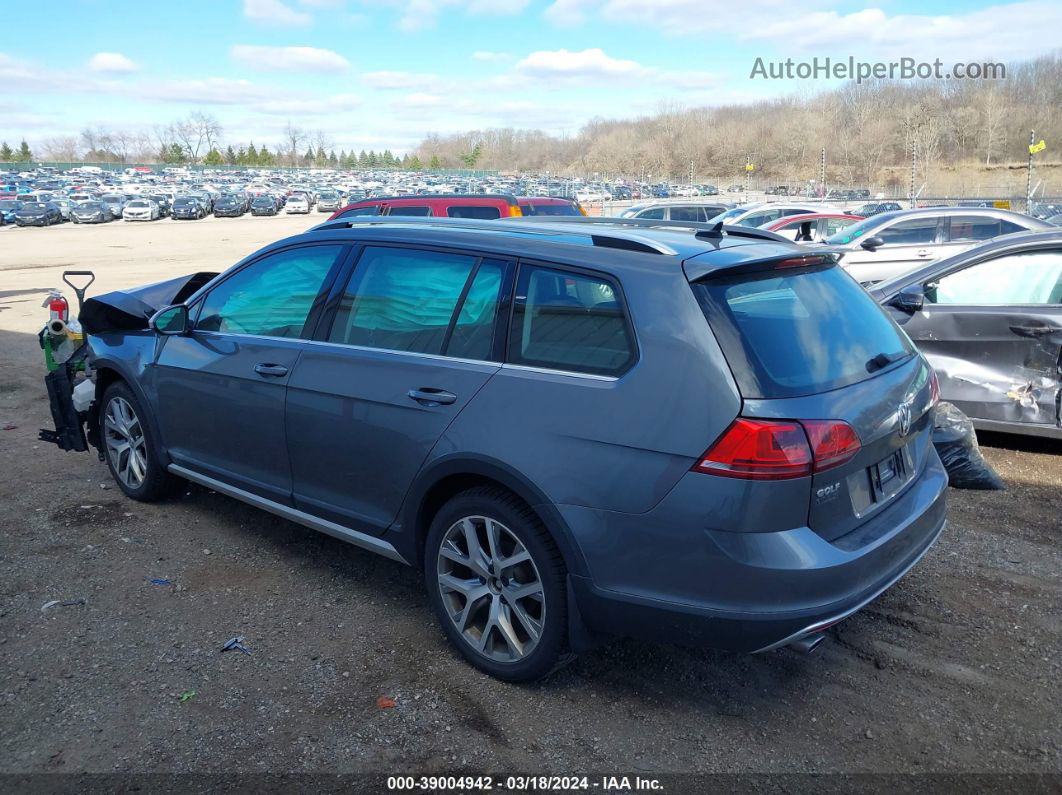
577 429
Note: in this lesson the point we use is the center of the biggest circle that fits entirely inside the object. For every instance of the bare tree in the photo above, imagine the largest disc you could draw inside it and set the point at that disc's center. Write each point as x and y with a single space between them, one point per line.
294 138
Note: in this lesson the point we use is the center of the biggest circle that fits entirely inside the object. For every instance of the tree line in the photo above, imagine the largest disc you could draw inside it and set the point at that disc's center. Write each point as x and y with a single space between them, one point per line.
868 130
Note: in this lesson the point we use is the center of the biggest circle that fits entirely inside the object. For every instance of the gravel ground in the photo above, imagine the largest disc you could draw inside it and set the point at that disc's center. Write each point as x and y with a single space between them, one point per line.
956 669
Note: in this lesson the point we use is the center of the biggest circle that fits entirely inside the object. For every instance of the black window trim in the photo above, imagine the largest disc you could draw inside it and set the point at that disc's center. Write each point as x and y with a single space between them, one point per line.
621 302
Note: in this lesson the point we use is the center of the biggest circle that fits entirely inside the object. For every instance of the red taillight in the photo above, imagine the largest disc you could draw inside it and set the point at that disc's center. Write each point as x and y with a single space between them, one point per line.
779 449
934 388
832 442
759 450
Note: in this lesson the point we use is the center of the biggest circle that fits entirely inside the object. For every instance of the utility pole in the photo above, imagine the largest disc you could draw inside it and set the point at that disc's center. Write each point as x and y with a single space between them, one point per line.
748 174
1028 187
914 159
822 175
691 173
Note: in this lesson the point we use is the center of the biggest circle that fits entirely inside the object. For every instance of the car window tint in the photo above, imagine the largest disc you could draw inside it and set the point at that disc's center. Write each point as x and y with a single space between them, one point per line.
272 297
402 299
482 213
472 336
656 214
910 232
687 214
1032 277
409 210
965 228
757 219
358 211
835 225
566 321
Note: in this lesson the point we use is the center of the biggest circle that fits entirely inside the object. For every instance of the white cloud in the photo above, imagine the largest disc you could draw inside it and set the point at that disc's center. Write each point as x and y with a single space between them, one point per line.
307 107
487 55
567 13
567 66
207 91
1017 30
417 15
274 12
289 59
112 63
399 80
326 4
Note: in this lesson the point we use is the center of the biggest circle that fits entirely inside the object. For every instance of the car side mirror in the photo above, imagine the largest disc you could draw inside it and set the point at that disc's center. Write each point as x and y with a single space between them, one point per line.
171 321
910 299
872 243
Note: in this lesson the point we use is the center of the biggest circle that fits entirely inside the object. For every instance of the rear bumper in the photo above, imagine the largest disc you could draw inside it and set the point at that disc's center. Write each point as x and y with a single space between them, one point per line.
759 591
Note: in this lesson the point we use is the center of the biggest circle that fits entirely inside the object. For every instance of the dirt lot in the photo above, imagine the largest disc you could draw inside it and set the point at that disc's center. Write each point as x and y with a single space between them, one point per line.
955 669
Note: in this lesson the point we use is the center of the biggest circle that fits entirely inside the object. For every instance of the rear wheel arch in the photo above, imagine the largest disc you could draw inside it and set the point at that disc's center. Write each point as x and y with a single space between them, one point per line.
449 477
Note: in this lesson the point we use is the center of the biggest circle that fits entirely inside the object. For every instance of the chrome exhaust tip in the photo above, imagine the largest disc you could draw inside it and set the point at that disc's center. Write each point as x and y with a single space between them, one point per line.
808 643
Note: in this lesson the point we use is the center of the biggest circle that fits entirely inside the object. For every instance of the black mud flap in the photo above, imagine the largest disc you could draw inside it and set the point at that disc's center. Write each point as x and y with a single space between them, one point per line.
69 433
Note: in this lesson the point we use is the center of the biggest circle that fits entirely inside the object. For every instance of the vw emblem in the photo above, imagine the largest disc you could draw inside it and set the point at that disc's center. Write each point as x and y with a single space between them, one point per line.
903 411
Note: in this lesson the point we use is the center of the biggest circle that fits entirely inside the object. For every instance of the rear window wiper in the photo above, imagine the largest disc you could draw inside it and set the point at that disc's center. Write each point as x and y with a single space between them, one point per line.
876 363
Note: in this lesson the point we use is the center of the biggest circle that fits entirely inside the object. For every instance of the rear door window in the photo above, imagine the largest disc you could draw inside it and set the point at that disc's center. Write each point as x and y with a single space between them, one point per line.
404 299
479 212
569 321
687 214
798 332
976 228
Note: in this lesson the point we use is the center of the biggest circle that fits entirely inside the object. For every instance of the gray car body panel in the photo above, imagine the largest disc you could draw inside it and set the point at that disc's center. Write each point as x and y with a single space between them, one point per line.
605 462
1003 380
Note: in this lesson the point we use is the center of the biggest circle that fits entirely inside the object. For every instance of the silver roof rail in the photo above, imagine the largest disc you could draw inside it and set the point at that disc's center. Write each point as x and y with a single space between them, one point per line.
620 239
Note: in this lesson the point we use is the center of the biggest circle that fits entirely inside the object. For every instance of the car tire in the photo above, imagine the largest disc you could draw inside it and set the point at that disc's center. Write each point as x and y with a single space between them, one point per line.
508 620
128 448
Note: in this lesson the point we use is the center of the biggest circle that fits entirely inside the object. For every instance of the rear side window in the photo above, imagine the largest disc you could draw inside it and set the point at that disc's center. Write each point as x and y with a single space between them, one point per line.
687 214
569 321
791 333
967 228
405 300
359 211
482 213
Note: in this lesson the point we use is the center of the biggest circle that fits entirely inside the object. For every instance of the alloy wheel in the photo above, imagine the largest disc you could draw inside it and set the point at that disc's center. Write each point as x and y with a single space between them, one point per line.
491 589
126 445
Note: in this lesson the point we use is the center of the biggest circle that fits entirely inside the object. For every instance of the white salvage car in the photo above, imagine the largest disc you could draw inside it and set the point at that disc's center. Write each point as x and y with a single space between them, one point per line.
140 210
297 204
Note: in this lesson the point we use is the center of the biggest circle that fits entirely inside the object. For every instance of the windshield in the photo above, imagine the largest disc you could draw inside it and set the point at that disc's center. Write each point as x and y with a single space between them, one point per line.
33 206
185 201
10 204
90 206
799 332
855 231
137 204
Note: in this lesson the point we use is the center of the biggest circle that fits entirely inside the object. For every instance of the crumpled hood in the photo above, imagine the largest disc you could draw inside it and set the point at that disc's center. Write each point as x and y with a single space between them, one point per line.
130 310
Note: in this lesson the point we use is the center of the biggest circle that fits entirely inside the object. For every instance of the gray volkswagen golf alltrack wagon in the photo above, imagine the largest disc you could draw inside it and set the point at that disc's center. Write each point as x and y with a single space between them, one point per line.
576 430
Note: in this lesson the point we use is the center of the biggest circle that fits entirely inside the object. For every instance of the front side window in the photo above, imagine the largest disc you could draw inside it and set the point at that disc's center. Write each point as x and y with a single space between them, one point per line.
1031 277
405 300
912 232
568 321
409 210
271 297
656 214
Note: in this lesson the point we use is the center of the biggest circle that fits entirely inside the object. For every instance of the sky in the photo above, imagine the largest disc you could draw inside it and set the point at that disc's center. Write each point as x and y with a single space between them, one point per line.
382 74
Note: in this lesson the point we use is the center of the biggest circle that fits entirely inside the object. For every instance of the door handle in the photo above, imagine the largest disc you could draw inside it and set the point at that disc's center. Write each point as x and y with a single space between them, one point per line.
923 252
275 370
430 397
1034 331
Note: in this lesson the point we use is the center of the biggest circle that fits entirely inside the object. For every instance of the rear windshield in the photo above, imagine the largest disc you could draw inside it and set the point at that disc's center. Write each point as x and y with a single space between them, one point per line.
799 332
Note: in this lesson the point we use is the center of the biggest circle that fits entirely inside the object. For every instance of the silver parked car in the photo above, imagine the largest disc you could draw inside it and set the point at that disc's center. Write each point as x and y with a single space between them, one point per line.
891 244
677 211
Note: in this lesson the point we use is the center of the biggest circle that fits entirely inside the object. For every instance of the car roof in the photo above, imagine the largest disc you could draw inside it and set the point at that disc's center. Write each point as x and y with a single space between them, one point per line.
993 212
595 242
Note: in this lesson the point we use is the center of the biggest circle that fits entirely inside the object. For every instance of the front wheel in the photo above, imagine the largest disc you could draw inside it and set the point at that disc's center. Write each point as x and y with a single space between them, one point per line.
128 446
496 581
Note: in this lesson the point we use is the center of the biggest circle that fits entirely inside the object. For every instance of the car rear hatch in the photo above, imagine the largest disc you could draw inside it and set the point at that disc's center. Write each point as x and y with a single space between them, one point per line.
831 388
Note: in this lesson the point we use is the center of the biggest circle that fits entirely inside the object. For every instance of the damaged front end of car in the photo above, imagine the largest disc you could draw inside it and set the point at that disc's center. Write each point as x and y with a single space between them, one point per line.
72 348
